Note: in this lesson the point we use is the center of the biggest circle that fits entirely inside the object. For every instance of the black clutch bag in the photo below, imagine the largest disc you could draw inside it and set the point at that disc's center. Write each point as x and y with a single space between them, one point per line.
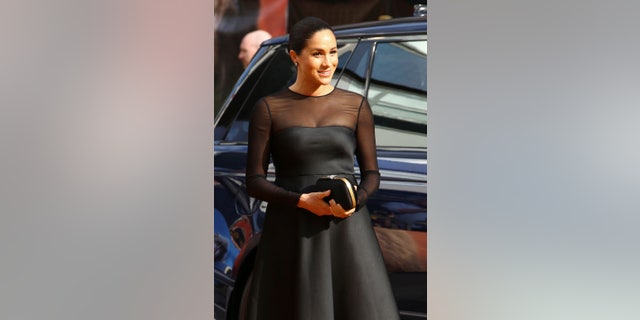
342 191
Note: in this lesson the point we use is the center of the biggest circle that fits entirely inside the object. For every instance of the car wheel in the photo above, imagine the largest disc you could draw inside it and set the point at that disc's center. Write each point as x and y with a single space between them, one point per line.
238 301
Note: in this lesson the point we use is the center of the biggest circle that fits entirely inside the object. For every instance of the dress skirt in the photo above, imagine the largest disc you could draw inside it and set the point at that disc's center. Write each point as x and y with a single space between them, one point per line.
312 267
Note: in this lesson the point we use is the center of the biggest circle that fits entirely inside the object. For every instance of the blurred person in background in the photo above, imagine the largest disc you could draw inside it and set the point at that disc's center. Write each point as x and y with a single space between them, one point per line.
250 44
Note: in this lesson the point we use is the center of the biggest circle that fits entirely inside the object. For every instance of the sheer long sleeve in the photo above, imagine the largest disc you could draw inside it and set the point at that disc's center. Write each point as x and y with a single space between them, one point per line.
366 154
258 160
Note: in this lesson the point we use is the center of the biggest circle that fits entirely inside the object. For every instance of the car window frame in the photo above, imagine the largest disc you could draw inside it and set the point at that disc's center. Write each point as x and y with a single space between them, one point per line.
265 54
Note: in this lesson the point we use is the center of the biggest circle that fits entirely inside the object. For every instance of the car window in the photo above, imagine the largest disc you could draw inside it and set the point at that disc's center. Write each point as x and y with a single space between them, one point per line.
396 88
272 72
352 72
397 93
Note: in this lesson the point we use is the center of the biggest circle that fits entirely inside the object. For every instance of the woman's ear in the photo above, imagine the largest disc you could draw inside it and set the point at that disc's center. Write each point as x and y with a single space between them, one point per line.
294 57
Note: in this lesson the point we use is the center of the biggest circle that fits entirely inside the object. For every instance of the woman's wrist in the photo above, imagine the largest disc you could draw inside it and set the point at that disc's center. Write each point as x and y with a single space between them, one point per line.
301 200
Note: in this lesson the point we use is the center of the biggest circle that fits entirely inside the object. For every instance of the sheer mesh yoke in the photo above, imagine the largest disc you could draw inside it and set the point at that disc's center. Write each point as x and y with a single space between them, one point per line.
332 128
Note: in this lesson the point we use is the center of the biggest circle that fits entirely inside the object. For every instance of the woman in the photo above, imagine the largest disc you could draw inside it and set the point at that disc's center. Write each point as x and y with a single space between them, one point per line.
315 260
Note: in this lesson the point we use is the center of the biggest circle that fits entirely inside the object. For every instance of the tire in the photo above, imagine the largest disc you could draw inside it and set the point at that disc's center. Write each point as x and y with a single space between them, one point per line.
237 305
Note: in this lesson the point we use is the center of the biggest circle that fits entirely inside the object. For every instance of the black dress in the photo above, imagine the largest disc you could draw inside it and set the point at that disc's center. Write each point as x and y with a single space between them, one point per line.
310 267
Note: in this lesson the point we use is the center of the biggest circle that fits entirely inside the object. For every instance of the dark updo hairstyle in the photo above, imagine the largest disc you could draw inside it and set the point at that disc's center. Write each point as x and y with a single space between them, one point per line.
303 30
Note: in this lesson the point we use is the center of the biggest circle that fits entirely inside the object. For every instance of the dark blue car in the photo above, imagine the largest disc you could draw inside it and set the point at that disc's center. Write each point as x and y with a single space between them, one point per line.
386 61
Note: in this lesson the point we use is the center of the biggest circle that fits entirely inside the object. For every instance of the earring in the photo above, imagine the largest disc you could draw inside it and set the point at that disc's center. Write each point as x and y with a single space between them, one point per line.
296 64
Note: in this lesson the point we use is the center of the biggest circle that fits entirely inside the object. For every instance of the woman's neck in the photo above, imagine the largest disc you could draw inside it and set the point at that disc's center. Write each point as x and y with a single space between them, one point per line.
311 91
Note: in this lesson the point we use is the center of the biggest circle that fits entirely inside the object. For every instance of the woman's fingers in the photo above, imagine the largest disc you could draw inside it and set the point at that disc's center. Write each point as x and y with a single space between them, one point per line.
350 212
338 211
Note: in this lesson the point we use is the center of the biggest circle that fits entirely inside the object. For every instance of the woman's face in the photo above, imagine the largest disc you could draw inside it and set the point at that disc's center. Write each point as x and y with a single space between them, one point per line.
318 60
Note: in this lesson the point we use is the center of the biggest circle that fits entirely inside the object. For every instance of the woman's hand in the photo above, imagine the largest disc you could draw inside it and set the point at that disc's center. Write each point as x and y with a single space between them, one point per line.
314 202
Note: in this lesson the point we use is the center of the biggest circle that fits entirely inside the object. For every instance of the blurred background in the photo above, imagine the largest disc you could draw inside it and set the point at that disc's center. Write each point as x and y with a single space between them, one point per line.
106 194
233 19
